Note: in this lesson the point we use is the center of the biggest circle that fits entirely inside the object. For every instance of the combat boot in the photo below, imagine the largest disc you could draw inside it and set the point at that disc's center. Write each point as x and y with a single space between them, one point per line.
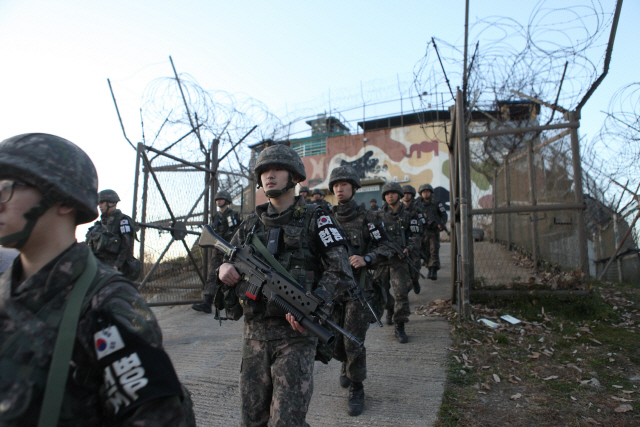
356 399
401 335
434 273
416 287
205 306
345 382
389 317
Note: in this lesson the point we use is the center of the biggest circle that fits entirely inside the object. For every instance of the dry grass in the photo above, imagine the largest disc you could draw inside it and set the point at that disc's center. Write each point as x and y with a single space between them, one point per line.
573 361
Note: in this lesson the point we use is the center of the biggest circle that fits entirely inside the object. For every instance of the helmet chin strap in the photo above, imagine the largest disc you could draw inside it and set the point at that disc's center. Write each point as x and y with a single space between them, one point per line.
274 194
20 238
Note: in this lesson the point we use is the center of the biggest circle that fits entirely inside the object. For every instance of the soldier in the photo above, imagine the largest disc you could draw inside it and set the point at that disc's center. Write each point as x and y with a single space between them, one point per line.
276 379
364 233
79 344
436 216
410 202
403 229
318 199
111 238
224 222
304 192
374 205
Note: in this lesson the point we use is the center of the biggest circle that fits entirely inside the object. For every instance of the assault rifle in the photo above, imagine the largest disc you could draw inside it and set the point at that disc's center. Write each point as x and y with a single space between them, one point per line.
356 292
403 256
266 282
436 221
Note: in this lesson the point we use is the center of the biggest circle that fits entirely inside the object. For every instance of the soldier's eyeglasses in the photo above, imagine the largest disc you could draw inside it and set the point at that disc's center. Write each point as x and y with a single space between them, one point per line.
6 189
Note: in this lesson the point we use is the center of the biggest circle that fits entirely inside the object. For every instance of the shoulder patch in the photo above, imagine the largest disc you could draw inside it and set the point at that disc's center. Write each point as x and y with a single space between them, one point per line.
324 220
125 226
107 341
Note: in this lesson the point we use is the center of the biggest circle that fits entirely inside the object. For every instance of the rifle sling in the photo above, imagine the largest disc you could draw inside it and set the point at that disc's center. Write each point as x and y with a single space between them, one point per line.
59 369
270 258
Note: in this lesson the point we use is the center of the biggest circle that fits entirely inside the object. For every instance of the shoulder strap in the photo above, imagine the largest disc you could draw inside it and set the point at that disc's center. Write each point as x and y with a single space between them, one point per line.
270 259
59 369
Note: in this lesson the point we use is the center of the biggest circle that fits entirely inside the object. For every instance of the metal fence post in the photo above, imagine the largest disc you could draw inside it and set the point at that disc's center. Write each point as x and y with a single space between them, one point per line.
533 201
579 197
465 239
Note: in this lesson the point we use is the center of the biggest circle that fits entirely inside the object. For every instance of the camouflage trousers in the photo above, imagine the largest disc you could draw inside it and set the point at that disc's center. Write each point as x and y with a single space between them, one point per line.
211 285
431 248
355 319
276 381
415 258
396 275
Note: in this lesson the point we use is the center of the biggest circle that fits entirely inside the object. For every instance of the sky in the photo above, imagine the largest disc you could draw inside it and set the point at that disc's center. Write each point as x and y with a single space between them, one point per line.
58 55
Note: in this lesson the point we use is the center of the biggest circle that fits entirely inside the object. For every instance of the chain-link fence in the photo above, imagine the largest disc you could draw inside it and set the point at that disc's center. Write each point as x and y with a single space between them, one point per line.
519 209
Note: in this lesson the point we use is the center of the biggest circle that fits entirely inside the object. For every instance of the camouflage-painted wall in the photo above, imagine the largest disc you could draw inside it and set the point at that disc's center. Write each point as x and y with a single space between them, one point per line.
410 155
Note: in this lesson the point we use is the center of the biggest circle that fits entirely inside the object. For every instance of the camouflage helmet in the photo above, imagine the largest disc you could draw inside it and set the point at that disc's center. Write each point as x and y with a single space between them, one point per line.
392 187
318 191
224 195
304 188
57 167
346 174
409 189
425 187
373 200
108 196
279 156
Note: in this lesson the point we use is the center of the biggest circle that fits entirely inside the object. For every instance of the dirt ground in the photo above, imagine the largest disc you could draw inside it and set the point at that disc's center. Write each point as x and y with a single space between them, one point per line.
404 386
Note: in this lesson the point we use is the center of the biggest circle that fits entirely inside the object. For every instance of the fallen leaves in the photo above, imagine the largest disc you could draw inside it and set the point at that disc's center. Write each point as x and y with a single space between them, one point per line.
623 408
496 378
516 396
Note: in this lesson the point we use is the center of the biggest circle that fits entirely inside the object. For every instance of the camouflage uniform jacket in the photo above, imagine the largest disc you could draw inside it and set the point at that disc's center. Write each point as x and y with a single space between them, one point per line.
365 234
225 223
400 223
416 208
326 206
119 375
314 252
119 233
434 211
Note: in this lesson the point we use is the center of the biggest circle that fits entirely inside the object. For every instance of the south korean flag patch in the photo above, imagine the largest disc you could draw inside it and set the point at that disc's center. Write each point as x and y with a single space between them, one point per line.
414 226
421 217
125 227
107 341
324 220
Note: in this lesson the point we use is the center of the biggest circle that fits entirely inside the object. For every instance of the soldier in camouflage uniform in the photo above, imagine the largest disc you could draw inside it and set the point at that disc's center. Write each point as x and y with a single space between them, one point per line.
224 222
101 365
364 233
276 378
416 209
304 192
403 228
374 205
435 215
111 238
318 199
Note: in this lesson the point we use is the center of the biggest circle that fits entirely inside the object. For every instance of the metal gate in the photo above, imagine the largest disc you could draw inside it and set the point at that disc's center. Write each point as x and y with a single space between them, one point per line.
175 202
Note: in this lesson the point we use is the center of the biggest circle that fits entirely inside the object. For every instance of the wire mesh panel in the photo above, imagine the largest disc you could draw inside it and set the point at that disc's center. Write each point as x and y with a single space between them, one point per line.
531 177
173 196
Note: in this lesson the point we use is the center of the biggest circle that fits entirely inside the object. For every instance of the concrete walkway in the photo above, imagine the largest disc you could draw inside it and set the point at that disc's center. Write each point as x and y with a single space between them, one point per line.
404 385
